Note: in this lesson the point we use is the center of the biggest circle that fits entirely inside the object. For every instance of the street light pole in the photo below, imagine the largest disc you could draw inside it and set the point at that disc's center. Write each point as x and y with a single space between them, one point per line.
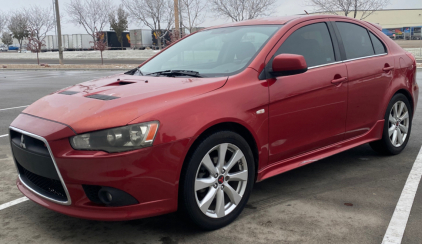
176 18
59 33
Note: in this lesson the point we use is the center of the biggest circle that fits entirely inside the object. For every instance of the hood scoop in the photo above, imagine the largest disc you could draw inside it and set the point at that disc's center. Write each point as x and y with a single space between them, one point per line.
68 92
102 97
121 83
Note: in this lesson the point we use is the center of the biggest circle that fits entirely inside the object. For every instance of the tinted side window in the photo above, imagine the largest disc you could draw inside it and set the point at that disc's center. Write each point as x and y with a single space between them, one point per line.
356 40
313 42
378 45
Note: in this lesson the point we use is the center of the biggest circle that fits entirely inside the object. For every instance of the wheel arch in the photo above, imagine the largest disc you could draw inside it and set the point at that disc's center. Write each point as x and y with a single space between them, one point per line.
409 97
231 126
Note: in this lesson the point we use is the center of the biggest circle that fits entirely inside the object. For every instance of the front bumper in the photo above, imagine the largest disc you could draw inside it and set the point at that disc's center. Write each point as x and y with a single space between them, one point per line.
150 175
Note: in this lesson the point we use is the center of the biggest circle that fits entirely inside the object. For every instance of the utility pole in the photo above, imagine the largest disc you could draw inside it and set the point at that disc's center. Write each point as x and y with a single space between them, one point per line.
181 20
176 18
59 33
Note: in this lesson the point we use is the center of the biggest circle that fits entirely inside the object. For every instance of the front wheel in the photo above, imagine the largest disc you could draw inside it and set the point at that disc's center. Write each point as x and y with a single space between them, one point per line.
397 126
218 180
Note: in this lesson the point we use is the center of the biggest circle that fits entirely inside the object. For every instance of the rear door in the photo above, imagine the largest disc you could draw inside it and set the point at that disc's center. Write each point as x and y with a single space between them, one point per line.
370 70
307 111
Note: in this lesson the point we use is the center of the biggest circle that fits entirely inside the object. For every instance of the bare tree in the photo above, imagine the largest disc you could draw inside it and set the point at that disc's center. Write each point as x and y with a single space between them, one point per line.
119 23
238 10
92 15
100 44
6 38
40 22
18 25
35 44
346 7
193 13
368 7
332 6
155 14
4 19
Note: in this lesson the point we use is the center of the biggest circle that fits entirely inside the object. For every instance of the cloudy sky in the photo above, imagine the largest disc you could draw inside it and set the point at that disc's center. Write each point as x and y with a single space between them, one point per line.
284 7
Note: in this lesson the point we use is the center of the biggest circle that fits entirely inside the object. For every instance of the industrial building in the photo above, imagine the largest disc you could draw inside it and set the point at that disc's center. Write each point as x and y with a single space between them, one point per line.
391 18
396 23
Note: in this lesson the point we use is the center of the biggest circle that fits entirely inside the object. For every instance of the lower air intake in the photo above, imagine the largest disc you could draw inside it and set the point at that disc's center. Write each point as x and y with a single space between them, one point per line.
48 187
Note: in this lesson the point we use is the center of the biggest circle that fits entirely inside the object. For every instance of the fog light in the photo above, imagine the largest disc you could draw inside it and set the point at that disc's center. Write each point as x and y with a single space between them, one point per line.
105 197
109 196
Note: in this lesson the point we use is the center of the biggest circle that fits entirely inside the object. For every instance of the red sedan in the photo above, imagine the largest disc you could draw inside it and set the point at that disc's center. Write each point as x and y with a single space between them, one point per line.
195 127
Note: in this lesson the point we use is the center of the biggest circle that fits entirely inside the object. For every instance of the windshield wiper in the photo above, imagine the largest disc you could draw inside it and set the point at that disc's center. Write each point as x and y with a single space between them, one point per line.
138 70
173 73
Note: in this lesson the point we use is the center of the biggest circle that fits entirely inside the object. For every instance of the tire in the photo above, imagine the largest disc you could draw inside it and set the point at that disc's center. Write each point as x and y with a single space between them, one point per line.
386 145
203 179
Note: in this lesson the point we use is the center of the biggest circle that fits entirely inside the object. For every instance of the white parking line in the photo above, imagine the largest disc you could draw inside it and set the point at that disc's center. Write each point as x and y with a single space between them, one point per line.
14 202
14 107
4 135
401 214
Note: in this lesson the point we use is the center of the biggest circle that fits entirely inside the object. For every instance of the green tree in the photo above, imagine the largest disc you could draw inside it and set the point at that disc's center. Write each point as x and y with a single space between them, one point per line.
6 38
119 23
18 25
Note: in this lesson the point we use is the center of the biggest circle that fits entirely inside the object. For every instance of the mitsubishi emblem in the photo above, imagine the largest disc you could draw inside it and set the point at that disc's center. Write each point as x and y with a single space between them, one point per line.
22 142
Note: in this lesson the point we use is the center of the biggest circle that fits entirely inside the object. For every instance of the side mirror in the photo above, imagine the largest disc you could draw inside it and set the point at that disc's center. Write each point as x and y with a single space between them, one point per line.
288 64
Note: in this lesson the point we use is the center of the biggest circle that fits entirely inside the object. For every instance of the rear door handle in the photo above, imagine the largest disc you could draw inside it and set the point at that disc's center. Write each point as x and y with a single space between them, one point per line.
387 69
338 81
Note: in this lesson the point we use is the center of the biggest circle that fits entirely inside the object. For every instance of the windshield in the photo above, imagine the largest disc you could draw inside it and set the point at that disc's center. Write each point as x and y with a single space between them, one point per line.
211 53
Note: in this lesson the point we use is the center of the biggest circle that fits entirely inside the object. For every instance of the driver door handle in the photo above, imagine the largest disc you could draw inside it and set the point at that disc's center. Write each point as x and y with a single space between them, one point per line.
339 81
387 69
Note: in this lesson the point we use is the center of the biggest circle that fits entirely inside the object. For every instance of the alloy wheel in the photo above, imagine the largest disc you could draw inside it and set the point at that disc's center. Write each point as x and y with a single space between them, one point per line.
398 124
221 180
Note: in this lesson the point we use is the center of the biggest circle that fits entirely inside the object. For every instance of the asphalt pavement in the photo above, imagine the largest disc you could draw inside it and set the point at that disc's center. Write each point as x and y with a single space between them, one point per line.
72 61
346 198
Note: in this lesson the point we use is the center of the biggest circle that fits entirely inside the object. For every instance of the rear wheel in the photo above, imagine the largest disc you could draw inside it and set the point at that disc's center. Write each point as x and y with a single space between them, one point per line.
397 126
218 180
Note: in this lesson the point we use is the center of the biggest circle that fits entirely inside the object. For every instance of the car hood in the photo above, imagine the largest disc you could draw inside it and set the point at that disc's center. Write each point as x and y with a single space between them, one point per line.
116 100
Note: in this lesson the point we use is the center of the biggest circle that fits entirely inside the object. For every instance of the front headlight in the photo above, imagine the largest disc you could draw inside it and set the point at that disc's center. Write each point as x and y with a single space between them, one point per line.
118 139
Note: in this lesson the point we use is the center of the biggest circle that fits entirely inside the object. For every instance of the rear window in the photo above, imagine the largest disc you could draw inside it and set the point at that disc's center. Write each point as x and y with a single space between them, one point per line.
378 45
356 40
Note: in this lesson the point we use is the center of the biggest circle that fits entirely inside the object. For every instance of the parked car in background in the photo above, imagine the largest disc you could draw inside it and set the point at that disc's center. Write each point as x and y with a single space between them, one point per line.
13 48
196 126
4 48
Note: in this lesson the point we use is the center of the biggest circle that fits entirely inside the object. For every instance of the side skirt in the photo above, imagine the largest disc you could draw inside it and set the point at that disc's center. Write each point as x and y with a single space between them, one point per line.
298 161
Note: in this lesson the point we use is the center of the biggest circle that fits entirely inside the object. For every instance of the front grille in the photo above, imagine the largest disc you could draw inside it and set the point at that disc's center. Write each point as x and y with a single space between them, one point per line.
48 187
37 169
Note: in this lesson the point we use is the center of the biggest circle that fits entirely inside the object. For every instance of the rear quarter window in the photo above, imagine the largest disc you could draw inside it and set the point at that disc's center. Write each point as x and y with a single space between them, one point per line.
378 45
